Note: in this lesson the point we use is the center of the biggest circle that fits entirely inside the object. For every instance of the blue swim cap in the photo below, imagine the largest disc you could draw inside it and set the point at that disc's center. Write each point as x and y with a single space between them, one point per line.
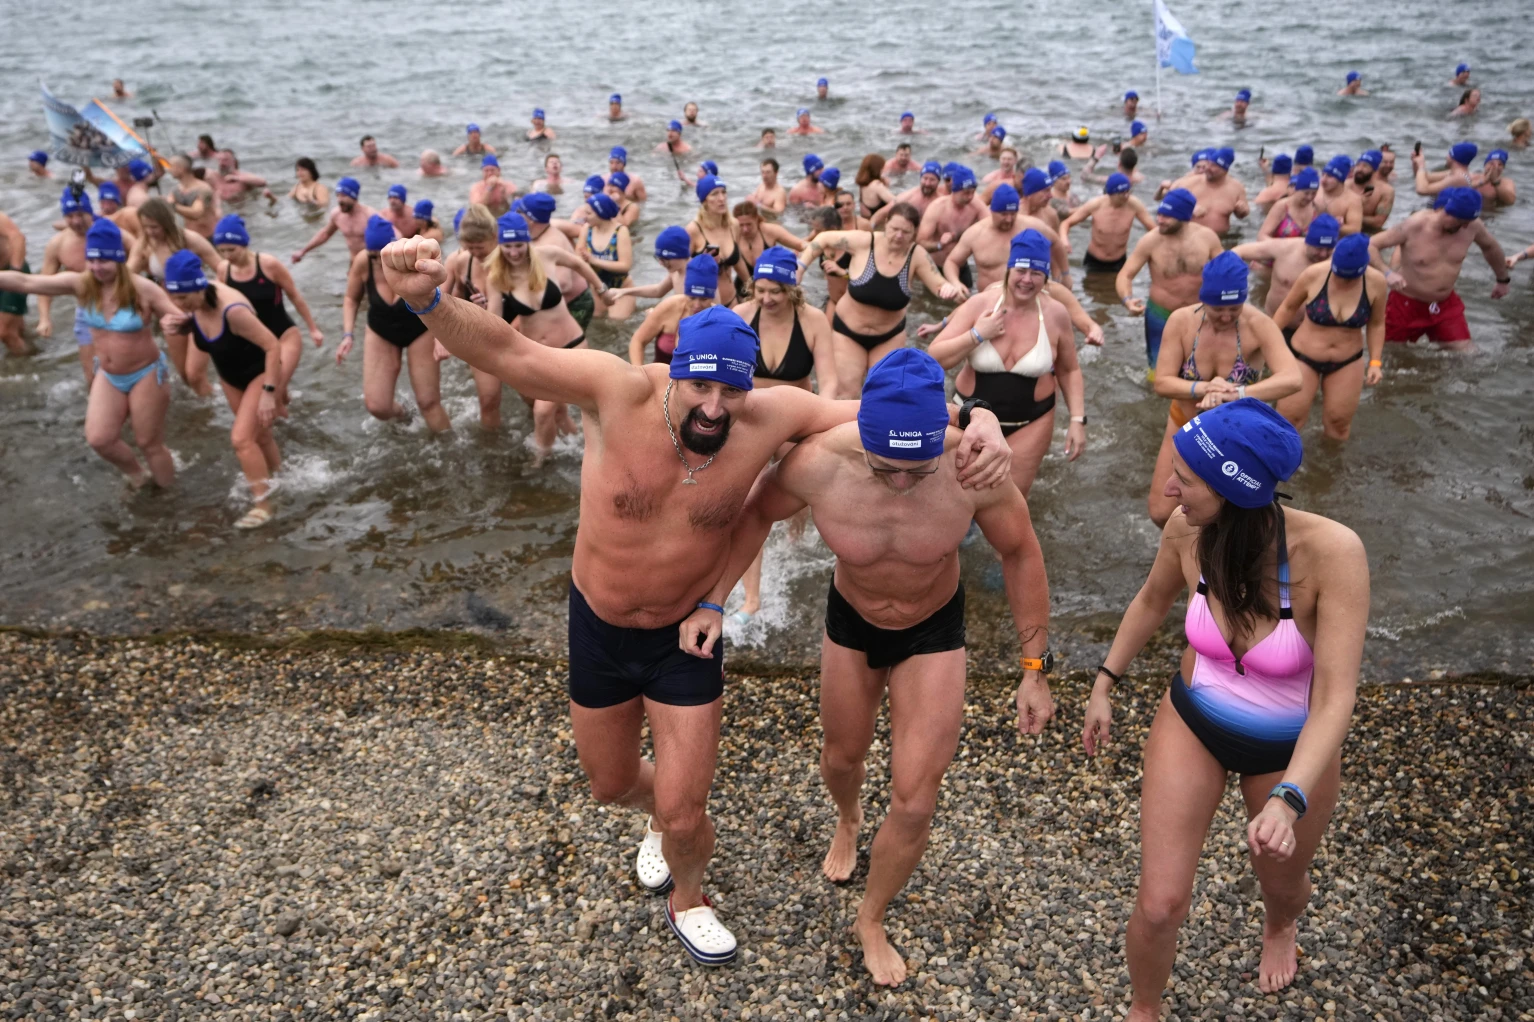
1461 203
537 113
539 207
672 243
777 264
1461 69
1116 183
903 414
105 241
1339 167
821 81
812 163
1245 95
512 228
963 178
139 169
68 203
593 185
470 128
458 218
908 114
619 153
1224 157
1463 152
619 180
1306 179
948 169
1304 156
489 160
831 177
1029 251
1282 164
1353 76
1177 204
1499 155
708 183
231 230
1224 280
802 111
397 192
379 232
1242 449
603 206
1034 181
38 156
348 187
108 192
989 120
1004 199
1057 170
709 166
1373 157
702 277
423 209
1202 156
1136 128
932 167
998 132
1131 94
1323 231
675 125
715 345
615 98
184 274
1351 258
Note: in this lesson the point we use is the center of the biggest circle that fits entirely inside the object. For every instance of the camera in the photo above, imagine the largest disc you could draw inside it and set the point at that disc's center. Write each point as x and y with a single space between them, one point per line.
143 122
77 183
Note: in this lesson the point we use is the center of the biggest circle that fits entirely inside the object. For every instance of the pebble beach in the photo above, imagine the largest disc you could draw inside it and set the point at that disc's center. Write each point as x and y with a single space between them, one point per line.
194 828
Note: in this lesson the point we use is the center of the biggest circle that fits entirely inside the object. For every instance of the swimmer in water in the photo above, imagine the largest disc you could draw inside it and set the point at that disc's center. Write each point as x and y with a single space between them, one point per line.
1008 173
1493 184
986 124
1273 710
1220 196
397 211
540 131
308 189
371 157
770 197
822 89
1520 132
1131 105
1139 134
768 140
1457 174
947 217
193 199
995 141
466 275
674 146
615 108
206 150
1469 103
807 191
1238 108
431 164
1112 216
1289 257
1129 160
1060 188
920 195
900 164
1079 145
350 217
690 116
1377 197
1176 253
618 160
473 145
231 183
1461 76
802 125
1354 86
873 193
1279 173
119 90
552 181
492 191
37 165
908 125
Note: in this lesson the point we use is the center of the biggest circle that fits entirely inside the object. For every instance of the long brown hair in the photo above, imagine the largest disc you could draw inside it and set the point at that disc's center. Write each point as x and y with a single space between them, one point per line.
1232 553
870 169
123 291
159 211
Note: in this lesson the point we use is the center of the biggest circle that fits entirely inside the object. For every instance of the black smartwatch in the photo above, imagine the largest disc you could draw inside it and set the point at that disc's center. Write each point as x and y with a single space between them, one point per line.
1293 797
969 406
268 388
1043 664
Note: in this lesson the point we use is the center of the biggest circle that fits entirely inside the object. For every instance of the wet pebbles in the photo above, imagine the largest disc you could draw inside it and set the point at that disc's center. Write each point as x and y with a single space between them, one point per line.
194 830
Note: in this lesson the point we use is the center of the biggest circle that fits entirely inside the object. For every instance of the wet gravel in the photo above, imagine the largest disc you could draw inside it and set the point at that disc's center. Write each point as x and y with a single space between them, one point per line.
192 829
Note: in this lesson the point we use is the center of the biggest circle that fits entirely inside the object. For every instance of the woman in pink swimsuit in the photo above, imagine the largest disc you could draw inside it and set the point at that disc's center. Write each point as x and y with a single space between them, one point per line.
1275 628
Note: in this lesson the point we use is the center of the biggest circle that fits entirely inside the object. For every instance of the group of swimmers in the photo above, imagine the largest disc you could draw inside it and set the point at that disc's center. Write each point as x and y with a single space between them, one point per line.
734 374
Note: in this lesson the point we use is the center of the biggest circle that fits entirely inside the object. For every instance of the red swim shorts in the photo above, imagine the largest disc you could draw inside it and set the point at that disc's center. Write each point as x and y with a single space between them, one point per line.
1408 318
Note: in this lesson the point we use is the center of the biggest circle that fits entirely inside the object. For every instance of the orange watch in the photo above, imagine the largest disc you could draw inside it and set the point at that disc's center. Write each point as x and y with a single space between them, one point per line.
1043 664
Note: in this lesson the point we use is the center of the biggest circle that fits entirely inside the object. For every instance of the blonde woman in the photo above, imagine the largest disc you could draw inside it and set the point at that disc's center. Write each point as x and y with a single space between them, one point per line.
714 232
162 238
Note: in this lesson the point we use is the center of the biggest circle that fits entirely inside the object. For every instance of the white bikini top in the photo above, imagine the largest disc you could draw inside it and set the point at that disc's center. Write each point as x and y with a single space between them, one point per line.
1038 362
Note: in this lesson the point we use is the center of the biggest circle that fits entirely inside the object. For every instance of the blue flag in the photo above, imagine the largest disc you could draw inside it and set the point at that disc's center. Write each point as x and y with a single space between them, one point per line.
1173 47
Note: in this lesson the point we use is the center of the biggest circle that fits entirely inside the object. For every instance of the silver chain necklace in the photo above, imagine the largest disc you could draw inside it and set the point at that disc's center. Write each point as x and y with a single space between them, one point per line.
666 408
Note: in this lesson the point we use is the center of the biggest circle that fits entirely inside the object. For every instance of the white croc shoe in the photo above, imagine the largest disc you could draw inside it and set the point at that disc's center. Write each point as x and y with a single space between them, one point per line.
702 934
650 864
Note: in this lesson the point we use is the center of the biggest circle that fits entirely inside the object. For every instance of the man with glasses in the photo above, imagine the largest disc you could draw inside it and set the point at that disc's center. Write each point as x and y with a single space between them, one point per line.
895 611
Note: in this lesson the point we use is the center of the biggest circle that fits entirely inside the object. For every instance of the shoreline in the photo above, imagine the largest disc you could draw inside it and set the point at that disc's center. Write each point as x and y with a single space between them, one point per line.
404 832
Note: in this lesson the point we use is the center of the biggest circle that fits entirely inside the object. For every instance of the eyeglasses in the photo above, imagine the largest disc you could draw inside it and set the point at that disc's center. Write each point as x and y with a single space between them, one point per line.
937 464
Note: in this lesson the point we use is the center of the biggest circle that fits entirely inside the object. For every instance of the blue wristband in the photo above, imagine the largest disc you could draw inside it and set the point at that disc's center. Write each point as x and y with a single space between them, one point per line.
435 301
1193 389
705 605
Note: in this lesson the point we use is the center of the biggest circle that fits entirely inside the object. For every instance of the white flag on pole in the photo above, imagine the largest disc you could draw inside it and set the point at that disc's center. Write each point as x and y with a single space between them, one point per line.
1173 47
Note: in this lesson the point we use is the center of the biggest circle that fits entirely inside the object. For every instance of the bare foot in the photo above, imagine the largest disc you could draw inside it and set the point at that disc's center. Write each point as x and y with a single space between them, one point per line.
842 859
884 963
1139 1014
138 482
1280 959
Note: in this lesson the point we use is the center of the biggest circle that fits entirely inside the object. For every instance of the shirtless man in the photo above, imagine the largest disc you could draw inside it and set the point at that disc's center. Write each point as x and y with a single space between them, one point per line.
994 143
1376 197
1139 134
618 160
615 108
908 125
802 124
492 191
674 146
431 164
1131 105
206 150
397 211
1129 160
650 545
192 198
920 195
1456 175
1079 145
1335 198
64 252
350 217
37 165
690 115
947 217
1007 173
1036 199
988 241
1219 195
895 613
119 90
13 304
1492 183
125 217
770 197
769 139
807 191
1354 85
472 144
1238 107
986 124
822 88
1113 214
1060 196
230 182
540 131
1176 252
143 176
552 182
1387 171
1290 258
1434 243
371 157
1461 76
901 164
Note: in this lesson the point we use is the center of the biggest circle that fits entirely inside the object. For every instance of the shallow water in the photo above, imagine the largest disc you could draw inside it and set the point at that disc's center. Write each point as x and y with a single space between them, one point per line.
382 525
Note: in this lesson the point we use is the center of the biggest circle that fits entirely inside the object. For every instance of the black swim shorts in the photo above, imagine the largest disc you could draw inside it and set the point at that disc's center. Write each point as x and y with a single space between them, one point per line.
611 665
941 631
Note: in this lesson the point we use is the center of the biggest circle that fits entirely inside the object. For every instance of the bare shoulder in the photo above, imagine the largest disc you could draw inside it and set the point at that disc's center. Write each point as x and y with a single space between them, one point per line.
1330 544
745 310
1181 319
815 461
1056 314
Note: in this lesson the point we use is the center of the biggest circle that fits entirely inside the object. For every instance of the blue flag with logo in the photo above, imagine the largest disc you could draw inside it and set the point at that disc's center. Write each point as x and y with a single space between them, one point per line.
1173 47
